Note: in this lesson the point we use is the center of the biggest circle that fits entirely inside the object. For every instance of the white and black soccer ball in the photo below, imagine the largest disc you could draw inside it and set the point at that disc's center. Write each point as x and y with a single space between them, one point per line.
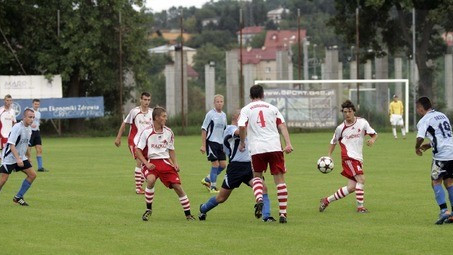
325 164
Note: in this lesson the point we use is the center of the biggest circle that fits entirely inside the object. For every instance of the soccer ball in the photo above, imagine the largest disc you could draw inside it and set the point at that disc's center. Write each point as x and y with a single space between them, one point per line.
325 165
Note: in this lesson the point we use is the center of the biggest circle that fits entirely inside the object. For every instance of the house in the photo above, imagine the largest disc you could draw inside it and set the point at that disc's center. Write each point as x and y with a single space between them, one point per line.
264 61
276 14
170 49
283 39
248 33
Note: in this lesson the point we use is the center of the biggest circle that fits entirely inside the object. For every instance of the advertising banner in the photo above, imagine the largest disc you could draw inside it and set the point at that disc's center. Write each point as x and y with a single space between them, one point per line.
31 86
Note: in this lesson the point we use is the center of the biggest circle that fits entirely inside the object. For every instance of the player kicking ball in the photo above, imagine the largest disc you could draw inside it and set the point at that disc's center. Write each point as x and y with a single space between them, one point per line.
350 134
239 171
160 162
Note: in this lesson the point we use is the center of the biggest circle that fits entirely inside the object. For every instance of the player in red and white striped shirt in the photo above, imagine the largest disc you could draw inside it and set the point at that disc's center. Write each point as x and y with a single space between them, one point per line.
139 118
7 120
263 121
350 134
157 143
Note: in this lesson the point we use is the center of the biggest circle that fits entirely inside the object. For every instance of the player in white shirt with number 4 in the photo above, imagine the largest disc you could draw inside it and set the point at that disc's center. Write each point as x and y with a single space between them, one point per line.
260 122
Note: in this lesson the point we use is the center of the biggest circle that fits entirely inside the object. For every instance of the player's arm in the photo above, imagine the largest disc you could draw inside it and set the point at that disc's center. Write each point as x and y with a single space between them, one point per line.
285 134
203 141
120 133
16 155
418 143
331 149
372 139
242 135
173 159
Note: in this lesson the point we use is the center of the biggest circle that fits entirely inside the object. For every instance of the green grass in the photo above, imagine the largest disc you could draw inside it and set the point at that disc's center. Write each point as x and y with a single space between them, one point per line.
87 205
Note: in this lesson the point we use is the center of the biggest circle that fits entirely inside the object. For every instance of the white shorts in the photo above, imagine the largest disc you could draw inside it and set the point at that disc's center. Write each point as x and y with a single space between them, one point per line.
396 120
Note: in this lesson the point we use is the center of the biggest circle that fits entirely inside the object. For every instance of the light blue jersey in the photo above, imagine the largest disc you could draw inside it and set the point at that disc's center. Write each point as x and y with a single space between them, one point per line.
214 123
20 137
437 128
36 121
231 145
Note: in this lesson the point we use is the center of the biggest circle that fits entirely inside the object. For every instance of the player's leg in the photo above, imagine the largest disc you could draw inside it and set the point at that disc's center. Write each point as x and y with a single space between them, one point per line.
282 196
437 176
257 185
448 183
139 178
394 131
149 195
184 200
38 148
222 165
339 194
213 176
212 202
360 193
403 130
3 178
266 205
26 184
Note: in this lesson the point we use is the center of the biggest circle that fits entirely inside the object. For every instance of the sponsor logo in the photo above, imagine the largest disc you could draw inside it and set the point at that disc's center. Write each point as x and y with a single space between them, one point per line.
353 136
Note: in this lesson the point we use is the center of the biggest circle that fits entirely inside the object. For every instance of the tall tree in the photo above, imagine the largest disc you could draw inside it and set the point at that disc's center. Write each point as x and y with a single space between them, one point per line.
388 23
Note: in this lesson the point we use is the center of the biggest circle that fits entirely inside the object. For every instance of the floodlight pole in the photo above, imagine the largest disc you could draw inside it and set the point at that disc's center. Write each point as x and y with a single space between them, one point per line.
357 44
183 117
120 75
299 47
241 78
414 67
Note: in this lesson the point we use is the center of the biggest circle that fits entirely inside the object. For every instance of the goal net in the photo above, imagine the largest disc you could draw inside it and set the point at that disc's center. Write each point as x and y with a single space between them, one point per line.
316 103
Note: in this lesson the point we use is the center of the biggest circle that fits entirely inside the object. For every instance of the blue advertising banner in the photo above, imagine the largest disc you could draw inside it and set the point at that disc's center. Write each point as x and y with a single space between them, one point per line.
63 108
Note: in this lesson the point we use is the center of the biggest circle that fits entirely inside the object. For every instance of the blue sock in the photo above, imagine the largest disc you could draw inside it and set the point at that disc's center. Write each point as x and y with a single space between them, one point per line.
213 174
450 196
39 159
206 207
219 170
266 206
25 186
439 193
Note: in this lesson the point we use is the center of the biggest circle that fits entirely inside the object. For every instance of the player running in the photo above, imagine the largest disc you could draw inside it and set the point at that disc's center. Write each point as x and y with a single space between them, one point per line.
239 171
212 129
260 122
350 134
157 143
138 118
437 128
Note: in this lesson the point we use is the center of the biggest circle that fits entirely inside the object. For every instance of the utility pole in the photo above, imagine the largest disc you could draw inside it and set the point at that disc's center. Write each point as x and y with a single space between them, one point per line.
241 78
183 120
299 51
414 66
357 44
120 31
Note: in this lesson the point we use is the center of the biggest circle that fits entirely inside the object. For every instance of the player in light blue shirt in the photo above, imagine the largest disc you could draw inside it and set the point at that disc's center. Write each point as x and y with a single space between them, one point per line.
15 156
212 129
437 128
239 171
35 140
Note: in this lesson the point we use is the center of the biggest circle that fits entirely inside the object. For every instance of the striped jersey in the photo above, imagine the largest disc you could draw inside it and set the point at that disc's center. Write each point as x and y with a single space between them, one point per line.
157 144
396 107
231 145
214 124
437 128
139 121
7 120
19 136
351 138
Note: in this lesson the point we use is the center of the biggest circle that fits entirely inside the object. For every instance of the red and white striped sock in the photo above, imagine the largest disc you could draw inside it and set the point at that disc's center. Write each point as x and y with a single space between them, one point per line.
359 194
341 193
282 196
149 197
185 203
138 178
257 185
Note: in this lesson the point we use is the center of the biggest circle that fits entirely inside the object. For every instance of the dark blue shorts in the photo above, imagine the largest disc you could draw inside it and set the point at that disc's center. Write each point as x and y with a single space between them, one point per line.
8 169
236 174
214 151
35 138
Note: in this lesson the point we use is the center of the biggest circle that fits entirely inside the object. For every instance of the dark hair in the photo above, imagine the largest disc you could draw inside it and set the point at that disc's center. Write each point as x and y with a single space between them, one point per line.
347 104
425 102
157 111
8 96
36 100
146 94
256 91
28 110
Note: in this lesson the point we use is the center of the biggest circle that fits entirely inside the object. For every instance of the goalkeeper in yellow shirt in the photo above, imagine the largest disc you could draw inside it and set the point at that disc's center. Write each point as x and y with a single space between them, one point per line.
396 111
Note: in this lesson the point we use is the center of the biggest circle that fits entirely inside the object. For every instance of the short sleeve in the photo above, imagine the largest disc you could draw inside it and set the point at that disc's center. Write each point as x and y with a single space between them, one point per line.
15 133
368 129
336 136
280 118
243 118
130 117
207 120
171 142
142 140
422 127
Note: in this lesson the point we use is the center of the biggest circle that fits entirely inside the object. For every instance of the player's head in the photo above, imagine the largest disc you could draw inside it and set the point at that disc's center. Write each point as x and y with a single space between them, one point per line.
423 105
8 100
145 99
29 116
256 92
159 115
218 102
36 103
395 98
348 110
235 117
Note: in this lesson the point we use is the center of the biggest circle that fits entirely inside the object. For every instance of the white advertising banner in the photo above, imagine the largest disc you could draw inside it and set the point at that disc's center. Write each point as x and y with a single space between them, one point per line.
30 86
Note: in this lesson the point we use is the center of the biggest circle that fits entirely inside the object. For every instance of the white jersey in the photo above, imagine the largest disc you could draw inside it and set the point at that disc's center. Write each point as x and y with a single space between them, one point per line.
262 120
157 143
214 124
231 145
20 137
36 121
139 121
437 128
7 120
351 139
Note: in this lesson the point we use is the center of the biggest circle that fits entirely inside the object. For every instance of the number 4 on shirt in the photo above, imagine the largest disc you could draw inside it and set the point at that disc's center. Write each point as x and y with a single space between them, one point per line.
261 120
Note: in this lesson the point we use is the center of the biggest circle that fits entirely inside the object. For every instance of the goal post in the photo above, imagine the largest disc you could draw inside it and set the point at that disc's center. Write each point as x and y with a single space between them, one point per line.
352 82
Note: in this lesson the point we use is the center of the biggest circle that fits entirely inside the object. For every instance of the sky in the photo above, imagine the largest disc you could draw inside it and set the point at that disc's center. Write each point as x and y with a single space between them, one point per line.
160 5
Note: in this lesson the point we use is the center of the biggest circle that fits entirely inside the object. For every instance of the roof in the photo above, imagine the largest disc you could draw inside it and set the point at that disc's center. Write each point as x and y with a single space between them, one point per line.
282 39
191 72
167 48
254 56
251 30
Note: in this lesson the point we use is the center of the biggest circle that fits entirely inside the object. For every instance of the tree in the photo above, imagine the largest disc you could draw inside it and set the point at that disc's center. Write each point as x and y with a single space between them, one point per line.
388 22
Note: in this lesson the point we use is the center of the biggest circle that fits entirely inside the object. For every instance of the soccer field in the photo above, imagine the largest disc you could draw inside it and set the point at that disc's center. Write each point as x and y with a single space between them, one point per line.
87 205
